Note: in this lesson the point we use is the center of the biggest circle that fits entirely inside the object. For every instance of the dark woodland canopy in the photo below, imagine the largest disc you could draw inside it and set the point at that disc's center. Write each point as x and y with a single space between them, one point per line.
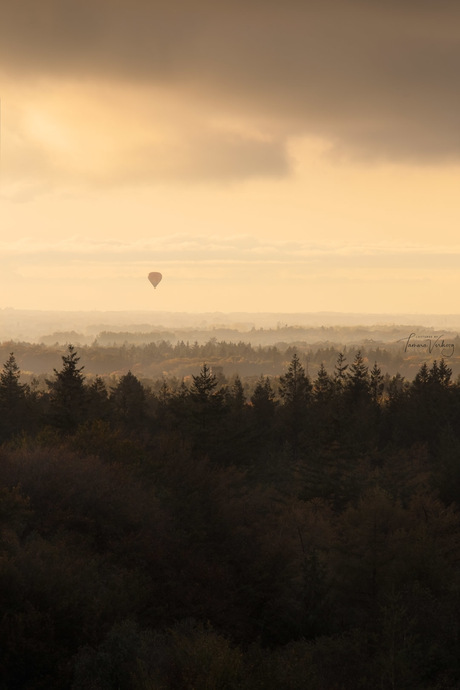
284 532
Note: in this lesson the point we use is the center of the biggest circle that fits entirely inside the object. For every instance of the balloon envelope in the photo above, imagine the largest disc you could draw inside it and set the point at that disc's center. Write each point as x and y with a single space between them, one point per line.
155 278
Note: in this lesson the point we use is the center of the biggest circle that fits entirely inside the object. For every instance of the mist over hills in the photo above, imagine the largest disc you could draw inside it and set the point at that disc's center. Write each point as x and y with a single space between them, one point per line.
259 328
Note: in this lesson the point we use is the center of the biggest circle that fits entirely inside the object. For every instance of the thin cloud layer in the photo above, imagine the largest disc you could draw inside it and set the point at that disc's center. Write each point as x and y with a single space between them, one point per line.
376 80
232 273
181 249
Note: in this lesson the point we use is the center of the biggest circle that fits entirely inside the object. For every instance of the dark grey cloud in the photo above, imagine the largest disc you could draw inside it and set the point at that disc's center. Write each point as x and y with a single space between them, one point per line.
377 78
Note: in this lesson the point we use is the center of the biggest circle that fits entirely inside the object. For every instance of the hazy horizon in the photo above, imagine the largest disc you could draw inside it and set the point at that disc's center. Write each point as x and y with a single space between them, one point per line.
38 324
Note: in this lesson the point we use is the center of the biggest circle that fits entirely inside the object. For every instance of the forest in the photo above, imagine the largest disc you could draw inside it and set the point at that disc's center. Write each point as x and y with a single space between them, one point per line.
172 360
296 530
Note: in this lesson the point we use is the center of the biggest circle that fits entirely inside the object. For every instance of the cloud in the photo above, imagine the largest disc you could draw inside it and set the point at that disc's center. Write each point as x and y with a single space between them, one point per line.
238 250
375 79
98 135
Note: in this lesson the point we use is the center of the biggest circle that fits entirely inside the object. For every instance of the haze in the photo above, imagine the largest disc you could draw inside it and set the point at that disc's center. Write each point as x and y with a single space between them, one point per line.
264 157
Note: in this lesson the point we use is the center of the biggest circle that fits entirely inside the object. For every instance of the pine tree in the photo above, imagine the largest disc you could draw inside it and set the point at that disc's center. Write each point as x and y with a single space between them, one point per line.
376 384
340 372
422 378
12 399
98 405
358 379
129 401
263 401
235 397
433 374
295 393
164 394
360 418
322 386
204 385
440 374
397 387
206 409
68 395
295 386
10 386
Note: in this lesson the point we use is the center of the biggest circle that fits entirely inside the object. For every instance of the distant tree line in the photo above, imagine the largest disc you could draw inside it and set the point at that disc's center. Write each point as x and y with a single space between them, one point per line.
163 359
354 402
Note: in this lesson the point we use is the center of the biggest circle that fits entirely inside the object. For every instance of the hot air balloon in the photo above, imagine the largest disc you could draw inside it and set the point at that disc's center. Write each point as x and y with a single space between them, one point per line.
155 278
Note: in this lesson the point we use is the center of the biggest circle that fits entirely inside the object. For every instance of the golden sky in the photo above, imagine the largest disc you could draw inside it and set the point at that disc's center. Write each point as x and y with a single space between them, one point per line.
264 156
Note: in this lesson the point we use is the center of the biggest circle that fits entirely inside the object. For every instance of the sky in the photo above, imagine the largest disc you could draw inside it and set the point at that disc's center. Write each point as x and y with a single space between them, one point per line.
264 156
